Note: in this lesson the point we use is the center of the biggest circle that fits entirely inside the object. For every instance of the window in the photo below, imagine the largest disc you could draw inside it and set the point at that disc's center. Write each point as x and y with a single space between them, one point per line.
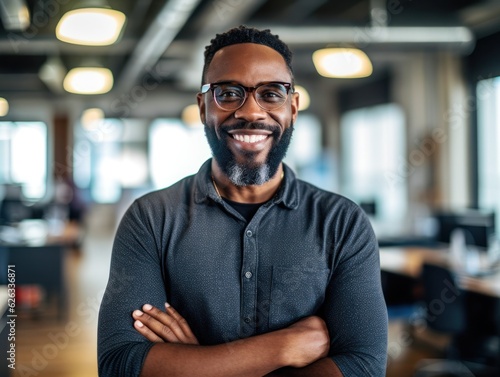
488 100
373 142
175 151
111 155
23 157
306 155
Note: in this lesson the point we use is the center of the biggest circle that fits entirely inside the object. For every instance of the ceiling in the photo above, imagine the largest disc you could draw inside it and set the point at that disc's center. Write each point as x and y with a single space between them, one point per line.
163 40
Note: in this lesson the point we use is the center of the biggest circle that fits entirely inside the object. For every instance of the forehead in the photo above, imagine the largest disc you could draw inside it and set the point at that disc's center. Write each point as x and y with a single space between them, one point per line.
248 63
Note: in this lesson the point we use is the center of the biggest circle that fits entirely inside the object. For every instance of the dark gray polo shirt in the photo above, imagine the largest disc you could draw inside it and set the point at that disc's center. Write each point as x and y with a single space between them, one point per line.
306 251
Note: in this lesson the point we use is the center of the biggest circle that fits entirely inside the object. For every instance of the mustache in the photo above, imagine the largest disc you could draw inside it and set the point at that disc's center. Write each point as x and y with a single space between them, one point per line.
251 126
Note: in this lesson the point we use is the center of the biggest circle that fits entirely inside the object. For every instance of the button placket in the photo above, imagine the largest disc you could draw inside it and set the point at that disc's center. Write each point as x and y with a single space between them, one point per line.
248 284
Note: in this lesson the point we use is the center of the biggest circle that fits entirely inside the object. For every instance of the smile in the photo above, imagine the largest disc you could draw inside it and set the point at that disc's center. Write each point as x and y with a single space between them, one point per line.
249 138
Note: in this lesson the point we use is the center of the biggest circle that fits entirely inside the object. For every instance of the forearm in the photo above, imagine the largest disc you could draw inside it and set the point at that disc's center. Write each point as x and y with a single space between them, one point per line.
252 357
323 367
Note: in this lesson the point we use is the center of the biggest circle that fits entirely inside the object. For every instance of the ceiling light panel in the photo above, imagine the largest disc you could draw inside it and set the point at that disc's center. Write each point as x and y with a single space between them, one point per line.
91 26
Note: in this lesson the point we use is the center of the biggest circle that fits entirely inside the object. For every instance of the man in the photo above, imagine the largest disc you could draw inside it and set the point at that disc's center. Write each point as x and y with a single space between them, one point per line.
268 275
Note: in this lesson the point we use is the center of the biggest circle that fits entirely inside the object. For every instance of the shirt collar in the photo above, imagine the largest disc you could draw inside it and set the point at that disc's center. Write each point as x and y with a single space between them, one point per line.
287 195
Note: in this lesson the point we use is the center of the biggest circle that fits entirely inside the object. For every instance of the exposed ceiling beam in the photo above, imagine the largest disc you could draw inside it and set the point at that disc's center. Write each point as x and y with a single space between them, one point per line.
155 41
459 38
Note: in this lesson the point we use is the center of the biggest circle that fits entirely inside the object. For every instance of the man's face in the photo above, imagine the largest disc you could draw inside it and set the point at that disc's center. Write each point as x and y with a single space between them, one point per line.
249 143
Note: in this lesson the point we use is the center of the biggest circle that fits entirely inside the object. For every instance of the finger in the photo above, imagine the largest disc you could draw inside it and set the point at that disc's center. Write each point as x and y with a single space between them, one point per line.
183 324
169 326
145 331
155 326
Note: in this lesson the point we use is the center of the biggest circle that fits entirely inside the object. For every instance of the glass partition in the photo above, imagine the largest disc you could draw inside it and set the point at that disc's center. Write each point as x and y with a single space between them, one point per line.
23 157
373 144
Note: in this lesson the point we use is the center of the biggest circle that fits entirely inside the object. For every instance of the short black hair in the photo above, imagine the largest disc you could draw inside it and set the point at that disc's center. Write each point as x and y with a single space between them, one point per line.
244 34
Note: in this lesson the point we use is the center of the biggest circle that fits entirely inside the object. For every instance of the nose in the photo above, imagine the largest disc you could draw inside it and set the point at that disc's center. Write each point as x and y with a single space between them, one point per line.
250 111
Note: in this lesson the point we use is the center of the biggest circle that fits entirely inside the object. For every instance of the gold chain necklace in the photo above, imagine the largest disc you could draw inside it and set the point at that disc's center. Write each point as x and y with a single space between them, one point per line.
215 186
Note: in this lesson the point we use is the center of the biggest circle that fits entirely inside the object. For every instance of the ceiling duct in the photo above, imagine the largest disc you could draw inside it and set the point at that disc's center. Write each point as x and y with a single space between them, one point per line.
155 41
15 15
458 38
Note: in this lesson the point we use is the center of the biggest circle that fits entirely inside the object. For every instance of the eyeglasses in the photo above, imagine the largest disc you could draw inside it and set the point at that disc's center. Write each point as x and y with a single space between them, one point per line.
230 96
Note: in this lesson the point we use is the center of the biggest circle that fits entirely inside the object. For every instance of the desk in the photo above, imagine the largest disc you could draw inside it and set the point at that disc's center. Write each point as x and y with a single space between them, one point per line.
408 262
40 265
471 316
39 257
69 236
41 233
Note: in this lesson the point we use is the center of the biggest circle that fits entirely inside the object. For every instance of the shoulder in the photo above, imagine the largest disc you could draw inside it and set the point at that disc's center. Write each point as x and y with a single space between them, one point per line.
339 213
159 203
310 194
168 195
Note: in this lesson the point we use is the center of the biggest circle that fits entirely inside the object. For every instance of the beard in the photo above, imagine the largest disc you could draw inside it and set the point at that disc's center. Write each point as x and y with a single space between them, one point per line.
250 172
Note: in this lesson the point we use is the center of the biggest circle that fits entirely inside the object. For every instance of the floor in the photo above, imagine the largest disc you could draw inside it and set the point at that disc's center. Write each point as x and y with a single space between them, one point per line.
47 347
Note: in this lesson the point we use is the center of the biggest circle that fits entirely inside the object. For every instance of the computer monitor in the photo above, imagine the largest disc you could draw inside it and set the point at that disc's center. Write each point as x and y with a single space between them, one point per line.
478 226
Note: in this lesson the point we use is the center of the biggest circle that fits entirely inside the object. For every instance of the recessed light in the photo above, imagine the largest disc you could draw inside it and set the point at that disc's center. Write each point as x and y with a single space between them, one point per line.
4 107
304 99
88 80
342 63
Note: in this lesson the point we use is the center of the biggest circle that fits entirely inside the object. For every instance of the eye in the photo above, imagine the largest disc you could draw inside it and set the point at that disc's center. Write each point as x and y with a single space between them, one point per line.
226 93
272 92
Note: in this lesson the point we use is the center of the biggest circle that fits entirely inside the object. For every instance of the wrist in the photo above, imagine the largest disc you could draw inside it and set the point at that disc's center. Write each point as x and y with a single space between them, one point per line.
284 341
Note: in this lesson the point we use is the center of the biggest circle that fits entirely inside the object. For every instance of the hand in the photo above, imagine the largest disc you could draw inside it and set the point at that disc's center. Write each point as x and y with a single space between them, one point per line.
158 326
309 341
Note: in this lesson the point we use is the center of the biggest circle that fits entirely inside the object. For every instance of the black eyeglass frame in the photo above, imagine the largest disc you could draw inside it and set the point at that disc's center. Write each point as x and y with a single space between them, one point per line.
248 89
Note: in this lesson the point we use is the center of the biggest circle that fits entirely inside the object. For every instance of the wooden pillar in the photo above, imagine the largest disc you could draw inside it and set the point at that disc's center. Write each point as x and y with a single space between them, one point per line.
63 161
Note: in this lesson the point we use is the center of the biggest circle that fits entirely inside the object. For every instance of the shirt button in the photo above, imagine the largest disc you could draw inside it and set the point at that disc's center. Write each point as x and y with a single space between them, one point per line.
248 274
247 320
249 233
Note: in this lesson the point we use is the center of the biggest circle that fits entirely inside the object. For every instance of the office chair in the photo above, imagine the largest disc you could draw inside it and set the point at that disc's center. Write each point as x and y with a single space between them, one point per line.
401 297
446 313
444 301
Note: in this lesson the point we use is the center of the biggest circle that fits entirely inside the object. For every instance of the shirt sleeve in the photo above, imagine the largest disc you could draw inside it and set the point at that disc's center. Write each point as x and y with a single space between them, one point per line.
135 279
355 310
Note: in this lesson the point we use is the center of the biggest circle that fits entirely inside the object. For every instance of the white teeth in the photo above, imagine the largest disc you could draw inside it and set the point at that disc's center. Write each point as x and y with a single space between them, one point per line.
249 138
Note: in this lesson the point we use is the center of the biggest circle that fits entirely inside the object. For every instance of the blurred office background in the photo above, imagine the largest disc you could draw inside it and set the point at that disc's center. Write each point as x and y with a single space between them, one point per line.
414 139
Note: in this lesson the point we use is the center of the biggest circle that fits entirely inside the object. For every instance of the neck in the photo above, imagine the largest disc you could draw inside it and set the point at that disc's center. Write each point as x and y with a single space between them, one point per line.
245 194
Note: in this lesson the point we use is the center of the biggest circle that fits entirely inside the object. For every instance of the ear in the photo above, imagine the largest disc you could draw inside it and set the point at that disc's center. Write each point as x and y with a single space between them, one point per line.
201 105
295 106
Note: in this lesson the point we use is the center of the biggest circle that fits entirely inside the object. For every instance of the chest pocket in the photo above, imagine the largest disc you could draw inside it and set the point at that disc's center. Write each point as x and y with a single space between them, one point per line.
295 293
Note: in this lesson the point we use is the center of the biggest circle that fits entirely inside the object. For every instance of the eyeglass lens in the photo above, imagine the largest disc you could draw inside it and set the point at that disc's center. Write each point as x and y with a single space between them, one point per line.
268 96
